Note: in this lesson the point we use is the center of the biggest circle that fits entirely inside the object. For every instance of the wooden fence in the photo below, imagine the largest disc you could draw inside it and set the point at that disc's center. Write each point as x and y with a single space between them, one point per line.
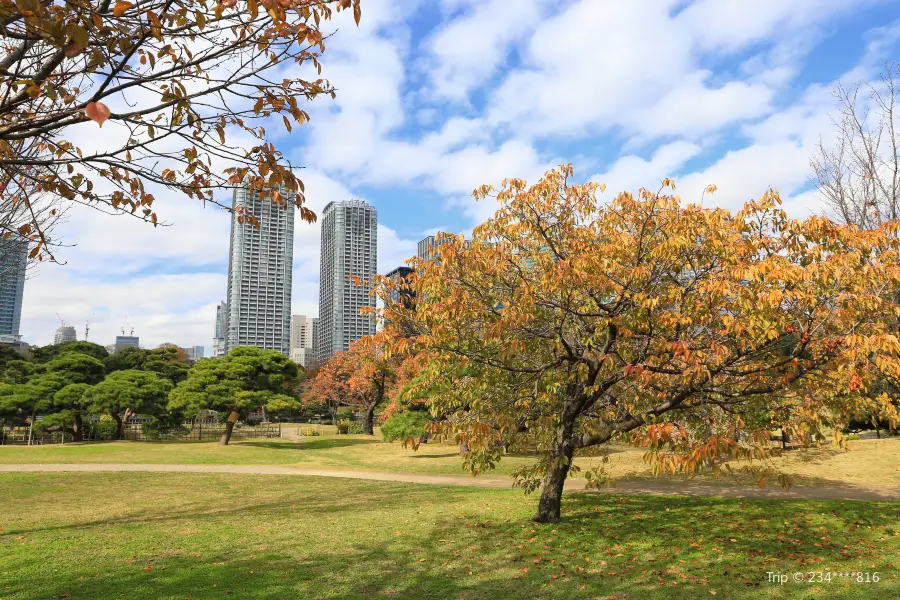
135 430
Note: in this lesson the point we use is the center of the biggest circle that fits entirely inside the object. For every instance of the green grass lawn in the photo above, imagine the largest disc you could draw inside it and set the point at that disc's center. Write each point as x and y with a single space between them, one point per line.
176 536
352 452
869 463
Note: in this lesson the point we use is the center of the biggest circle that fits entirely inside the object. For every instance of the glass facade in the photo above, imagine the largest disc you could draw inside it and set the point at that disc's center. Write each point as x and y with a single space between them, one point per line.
259 274
13 262
349 250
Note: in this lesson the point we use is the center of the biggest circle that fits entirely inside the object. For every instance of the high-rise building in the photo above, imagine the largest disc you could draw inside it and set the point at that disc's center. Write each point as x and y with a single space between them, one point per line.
347 267
259 274
126 341
303 336
406 296
221 329
13 262
65 333
193 353
302 331
303 357
427 247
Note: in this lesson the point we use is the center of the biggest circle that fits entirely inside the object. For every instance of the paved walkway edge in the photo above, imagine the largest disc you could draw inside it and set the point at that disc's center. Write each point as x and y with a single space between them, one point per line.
659 488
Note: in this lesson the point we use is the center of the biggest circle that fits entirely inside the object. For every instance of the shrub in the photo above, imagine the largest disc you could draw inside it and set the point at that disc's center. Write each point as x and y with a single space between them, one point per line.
309 431
105 428
355 428
343 426
404 426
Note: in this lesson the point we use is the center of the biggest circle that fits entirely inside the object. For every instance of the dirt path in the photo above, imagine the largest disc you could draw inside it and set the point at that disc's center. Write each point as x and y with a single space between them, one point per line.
623 487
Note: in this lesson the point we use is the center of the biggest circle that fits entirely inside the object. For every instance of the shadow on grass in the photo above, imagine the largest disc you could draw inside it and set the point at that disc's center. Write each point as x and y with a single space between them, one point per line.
336 443
281 445
626 548
359 495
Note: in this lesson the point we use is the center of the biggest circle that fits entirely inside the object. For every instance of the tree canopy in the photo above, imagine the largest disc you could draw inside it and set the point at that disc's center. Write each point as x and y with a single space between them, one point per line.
243 380
189 95
168 362
42 354
361 377
126 392
567 323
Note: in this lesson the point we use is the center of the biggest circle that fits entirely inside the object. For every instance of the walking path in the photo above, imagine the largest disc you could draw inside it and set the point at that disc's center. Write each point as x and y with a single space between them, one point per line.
659 488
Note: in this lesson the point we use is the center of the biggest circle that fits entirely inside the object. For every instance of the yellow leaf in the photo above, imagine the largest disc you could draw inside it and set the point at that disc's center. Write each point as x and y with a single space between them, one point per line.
121 7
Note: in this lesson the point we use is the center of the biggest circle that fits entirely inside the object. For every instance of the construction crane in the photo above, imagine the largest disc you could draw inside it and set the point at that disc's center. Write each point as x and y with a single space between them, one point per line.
87 326
61 322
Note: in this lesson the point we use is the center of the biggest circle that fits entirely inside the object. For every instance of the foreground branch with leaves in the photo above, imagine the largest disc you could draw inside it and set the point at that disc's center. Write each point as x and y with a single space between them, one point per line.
184 91
569 323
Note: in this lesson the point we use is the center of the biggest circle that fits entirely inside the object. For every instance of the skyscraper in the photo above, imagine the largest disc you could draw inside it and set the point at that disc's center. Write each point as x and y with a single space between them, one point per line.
13 261
427 248
259 274
127 341
65 333
349 250
303 330
221 329
404 295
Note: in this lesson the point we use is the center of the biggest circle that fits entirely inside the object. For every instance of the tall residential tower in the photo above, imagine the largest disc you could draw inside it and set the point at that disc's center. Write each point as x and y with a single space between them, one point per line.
259 274
349 255
13 262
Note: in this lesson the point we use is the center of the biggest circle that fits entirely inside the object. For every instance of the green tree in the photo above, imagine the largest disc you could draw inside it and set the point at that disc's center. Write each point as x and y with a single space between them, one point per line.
124 393
168 362
245 379
36 395
69 407
47 353
14 367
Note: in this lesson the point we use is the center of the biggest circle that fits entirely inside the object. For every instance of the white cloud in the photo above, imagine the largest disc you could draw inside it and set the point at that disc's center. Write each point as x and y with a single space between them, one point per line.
161 308
470 49
629 173
730 26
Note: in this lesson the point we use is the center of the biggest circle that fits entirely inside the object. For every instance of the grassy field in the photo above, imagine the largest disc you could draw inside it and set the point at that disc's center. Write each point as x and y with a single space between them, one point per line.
869 463
187 536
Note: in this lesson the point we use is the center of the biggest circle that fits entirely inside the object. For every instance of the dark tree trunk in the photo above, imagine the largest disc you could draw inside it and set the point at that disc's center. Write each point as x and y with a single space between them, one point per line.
229 428
561 454
369 424
78 428
785 439
120 425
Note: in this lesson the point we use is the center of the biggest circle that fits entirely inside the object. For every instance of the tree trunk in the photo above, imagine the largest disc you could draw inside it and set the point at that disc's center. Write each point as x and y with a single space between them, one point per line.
369 424
557 470
78 428
464 448
229 428
120 424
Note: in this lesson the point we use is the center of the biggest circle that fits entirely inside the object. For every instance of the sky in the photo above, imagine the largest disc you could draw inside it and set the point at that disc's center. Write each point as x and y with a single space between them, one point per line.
437 97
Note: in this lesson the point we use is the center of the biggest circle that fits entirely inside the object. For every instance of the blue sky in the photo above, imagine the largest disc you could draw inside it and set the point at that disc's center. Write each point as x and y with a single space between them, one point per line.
437 97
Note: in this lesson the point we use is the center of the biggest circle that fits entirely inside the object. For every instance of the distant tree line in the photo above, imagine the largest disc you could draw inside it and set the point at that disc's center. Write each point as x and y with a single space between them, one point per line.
67 384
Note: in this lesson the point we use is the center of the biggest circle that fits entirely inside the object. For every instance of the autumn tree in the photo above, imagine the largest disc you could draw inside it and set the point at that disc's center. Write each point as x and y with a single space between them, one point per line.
569 323
360 377
125 393
189 95
243 380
